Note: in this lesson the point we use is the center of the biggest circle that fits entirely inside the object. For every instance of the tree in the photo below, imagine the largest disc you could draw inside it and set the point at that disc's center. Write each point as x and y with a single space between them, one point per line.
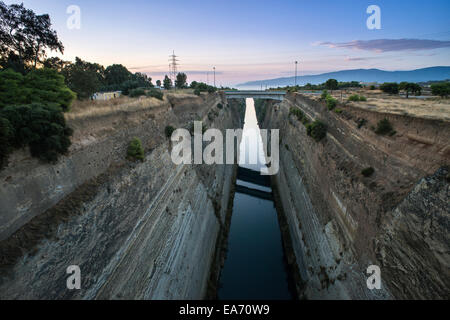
410 87
390 87
181 81
42 128
55 63
158 83
84 78
167 83
25 37
116 75
43 86
143 80
331 84
441 89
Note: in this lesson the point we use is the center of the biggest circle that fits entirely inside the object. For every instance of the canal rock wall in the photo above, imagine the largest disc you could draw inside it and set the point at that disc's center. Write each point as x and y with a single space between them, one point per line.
341 222
137 230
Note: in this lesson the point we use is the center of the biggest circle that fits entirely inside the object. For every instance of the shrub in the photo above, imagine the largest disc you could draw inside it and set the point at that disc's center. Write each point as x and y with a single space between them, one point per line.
317 130
197 92
384 127
135 150
441 89
338 111
361 122
300 115
324 95
372 87
355 98
331 103
6 133
220 106
169 130
134 93
155 93
43 128
367 172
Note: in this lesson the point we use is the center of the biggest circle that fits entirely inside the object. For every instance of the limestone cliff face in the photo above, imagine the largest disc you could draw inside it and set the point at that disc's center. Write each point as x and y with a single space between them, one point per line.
136 230
341 222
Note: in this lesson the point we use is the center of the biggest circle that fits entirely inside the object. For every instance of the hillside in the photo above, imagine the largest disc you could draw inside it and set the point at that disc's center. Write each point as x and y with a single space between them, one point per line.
365 75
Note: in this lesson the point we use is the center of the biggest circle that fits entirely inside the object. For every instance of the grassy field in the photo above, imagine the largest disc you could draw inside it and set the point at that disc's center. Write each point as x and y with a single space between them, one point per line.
429 107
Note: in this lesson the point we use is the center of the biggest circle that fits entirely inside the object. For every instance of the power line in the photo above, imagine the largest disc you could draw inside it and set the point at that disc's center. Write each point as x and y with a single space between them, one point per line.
173 66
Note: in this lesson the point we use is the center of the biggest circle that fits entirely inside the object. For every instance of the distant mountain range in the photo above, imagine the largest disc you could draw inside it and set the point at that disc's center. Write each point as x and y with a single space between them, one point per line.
364 75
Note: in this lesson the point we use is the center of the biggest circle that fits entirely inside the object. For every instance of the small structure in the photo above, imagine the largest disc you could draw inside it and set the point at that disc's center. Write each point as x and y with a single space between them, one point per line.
369 84
106 95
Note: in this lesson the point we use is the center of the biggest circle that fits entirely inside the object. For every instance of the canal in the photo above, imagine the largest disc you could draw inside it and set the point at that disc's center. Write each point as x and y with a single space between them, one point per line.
255 265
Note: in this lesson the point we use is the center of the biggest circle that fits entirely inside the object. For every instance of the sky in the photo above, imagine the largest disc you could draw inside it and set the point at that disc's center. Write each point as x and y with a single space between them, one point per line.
252 40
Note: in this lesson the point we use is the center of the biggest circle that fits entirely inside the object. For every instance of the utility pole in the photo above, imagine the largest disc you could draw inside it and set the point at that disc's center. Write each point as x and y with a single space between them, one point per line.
296 63
173 66
214 76
207 77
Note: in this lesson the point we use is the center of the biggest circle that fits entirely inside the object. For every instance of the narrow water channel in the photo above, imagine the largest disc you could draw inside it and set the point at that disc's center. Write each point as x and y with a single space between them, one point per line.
255 265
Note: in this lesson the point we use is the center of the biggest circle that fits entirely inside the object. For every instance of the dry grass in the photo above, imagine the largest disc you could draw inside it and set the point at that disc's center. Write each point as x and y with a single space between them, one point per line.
87 108
430 108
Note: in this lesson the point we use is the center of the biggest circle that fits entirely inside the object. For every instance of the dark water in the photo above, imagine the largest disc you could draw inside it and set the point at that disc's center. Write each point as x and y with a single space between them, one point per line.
255 266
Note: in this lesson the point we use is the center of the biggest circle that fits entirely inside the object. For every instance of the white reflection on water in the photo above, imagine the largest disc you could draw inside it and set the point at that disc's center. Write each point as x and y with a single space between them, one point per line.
251 151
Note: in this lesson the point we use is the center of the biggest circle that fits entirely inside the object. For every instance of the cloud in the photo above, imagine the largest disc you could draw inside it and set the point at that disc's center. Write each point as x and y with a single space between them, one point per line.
387 45
358 59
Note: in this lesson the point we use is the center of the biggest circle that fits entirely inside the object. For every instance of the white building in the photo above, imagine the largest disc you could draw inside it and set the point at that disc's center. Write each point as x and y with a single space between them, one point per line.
106 95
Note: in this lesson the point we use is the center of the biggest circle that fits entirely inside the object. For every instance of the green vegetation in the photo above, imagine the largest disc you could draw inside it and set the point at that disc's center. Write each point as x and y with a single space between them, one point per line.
317 130
181 81
6 135
332 84
384 127
309 86
390 87
324 95
441 89
338 111
356 98
410 87
137 93
361 122
155 93
367 172
40 127
135 150
158 83
202 87
83 77
331 103
169 130
167 83
300 115
220 106
25 38
44 86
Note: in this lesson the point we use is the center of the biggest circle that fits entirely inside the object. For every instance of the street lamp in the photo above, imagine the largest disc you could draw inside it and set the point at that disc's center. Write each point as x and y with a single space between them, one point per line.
296 63
214 76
